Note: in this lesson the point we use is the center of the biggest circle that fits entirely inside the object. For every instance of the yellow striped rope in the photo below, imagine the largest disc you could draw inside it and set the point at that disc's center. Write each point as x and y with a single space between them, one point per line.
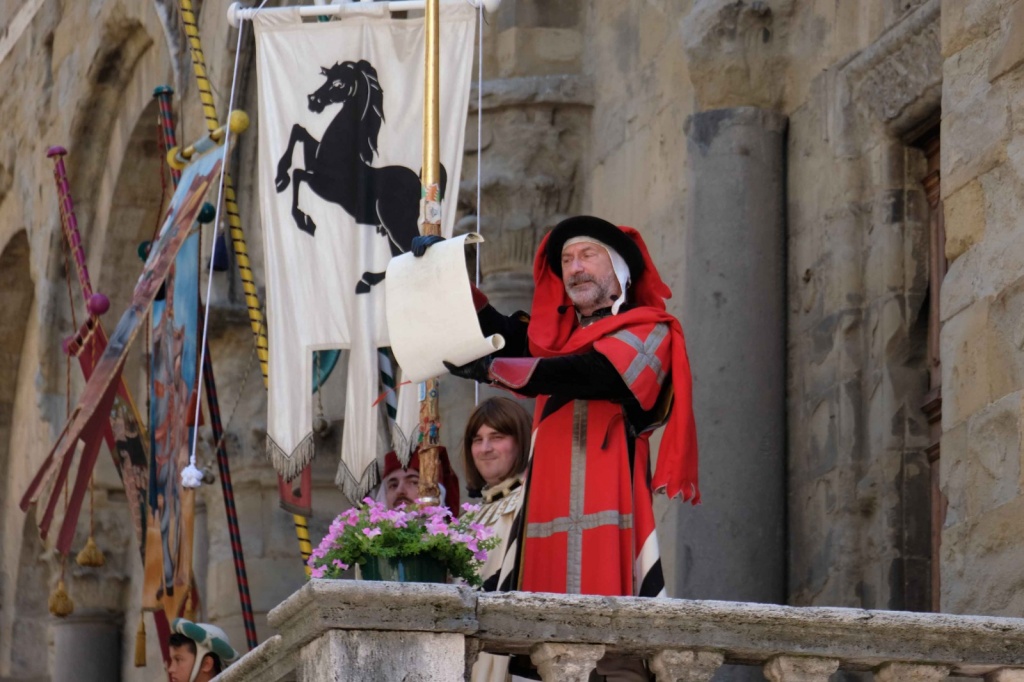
252 300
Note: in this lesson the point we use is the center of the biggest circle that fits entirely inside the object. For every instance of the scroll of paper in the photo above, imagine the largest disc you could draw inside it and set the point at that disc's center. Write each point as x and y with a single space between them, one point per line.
430 311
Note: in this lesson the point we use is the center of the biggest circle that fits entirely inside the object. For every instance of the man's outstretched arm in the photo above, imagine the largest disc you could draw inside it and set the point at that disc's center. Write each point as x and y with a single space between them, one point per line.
584 376
511 327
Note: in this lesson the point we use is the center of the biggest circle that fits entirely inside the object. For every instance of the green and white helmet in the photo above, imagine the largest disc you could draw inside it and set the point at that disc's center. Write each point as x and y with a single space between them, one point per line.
209 639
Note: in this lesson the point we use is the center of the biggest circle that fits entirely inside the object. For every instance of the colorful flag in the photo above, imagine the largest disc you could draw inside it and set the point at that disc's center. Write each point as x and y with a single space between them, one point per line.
91 416
171 411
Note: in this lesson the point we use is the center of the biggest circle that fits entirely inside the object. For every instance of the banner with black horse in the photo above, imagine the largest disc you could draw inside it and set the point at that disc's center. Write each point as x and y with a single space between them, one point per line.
341 145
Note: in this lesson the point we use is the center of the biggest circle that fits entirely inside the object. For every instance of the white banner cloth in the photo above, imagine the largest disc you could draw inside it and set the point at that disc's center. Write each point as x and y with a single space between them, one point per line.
431 313
340 151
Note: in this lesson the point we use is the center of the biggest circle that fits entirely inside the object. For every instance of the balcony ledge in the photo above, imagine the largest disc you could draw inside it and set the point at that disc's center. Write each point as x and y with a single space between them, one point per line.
743 633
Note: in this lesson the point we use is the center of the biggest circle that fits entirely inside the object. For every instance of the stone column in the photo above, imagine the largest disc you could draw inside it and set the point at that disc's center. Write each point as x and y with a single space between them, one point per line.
685 665
800 668
566 662
87 648
911 672
734 317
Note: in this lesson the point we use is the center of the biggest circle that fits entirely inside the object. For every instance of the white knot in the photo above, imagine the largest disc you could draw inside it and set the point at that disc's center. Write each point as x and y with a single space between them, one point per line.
191 476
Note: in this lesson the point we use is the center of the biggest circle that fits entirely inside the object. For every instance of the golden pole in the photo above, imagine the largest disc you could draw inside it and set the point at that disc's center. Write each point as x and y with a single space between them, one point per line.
431 125
430 425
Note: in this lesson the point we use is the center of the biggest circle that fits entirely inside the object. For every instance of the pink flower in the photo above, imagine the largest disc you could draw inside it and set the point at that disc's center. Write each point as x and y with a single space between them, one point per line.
435 511
480 555
371 532
338 564
471 508
318 572
481 531
436 526
399 518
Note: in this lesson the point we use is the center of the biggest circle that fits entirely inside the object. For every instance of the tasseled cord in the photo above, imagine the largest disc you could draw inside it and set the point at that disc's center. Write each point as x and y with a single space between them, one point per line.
60 603
140 642
91 555
191 476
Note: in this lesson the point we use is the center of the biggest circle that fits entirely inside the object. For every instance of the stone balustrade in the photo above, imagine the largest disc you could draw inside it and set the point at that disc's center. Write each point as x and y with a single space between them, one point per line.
352 630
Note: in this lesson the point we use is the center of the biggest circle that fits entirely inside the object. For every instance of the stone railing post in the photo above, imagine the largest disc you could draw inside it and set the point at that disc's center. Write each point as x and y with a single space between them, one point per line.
1006 675
800 668
566 662
911 672
355 655
685 665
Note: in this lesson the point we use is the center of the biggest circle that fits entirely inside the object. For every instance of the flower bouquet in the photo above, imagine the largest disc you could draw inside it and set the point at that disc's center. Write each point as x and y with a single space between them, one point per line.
371 533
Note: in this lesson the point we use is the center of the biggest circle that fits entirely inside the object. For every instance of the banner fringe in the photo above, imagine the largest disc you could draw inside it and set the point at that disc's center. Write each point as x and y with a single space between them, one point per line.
291 464
356 490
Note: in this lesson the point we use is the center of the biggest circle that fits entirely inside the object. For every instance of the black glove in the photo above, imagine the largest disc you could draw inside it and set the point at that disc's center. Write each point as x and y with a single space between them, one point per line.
478 370
423 242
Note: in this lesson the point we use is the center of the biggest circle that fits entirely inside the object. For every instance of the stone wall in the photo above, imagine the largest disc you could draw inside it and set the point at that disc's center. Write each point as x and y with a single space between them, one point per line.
982 169
857 285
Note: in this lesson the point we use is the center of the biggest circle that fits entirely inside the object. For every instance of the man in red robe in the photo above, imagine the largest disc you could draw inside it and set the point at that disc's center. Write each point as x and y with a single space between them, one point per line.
608 366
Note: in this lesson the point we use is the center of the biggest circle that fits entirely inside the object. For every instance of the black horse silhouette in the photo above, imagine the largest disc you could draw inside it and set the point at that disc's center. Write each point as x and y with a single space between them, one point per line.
338 166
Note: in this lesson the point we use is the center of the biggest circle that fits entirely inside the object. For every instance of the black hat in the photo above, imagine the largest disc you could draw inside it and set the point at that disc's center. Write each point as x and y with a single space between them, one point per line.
601 230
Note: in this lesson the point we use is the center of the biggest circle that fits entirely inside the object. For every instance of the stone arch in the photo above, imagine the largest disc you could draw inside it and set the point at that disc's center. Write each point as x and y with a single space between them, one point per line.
113 68
16 283
19 294
116 95
141 191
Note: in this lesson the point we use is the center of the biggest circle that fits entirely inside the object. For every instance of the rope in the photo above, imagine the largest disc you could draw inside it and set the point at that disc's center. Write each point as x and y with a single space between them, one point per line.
191 477
479 150
241 577
71 305
235 230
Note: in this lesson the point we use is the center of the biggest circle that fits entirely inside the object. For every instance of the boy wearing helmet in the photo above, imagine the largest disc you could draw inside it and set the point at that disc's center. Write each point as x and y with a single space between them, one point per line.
199 651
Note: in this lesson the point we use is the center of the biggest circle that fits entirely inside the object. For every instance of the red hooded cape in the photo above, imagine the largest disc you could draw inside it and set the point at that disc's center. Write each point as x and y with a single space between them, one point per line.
554 333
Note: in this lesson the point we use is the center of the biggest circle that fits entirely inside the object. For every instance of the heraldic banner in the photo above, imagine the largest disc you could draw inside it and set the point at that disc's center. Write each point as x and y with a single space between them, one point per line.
175 333
341 146
93 413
